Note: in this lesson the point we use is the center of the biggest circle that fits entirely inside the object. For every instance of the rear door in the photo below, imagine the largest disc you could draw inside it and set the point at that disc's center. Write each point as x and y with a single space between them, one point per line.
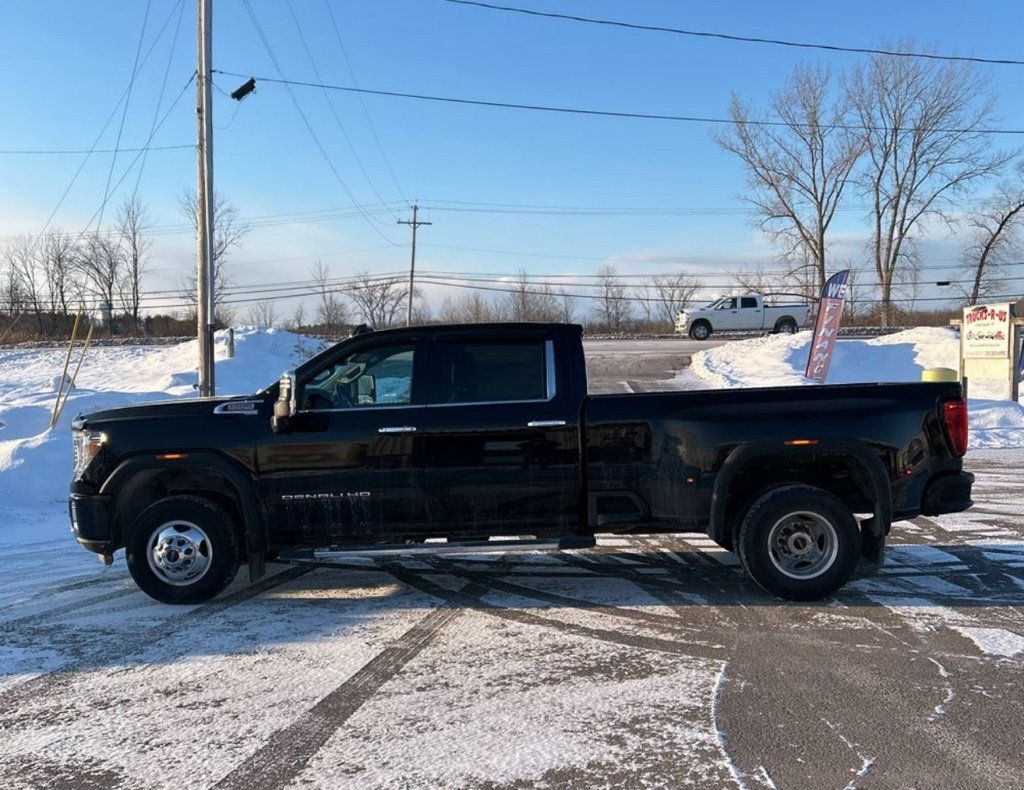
752 313
501 437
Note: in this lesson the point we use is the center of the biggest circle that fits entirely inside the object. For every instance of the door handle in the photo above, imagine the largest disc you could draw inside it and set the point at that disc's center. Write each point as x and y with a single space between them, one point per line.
397 429
545 423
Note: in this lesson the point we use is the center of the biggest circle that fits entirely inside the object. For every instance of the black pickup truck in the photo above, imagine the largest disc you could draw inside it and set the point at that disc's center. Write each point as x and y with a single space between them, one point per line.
470 432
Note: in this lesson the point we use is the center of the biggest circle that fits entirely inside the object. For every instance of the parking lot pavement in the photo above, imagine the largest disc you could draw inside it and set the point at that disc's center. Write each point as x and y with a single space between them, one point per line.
647 662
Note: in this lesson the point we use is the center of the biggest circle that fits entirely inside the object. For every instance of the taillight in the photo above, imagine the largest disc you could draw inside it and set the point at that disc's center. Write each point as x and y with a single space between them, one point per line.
954 421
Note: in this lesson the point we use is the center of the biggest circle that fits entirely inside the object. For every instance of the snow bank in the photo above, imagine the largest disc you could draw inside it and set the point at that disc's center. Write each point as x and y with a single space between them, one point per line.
779 360
35 461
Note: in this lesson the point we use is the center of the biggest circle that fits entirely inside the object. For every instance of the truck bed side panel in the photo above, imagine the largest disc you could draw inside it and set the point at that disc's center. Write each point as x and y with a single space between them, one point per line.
667 447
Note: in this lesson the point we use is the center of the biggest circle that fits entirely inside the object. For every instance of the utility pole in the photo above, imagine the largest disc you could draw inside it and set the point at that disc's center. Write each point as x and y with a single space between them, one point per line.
205 314
413 223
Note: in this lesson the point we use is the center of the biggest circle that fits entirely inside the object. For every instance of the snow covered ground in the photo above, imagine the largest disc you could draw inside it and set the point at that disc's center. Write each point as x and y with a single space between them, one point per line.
779 361
647 662
35 461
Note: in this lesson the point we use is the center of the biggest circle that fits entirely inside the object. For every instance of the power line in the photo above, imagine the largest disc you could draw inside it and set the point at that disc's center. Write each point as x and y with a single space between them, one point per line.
733 37
1000 297
331 107
598 113
63 151
103 129
298 107
124 110
362 102
160 95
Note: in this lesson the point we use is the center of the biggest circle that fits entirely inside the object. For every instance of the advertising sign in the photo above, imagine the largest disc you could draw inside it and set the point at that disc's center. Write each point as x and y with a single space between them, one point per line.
826 328
986 331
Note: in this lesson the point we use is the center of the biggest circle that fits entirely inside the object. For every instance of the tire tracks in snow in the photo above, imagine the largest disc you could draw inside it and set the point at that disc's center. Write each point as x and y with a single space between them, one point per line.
57 680
285 755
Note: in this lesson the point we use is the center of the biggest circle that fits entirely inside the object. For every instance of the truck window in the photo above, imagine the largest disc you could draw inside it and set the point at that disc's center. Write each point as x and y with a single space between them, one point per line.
380 376
748 301
488 371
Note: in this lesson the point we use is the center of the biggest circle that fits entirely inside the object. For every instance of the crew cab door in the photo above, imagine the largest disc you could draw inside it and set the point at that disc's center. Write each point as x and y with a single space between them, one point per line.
350 465
501 439
752 313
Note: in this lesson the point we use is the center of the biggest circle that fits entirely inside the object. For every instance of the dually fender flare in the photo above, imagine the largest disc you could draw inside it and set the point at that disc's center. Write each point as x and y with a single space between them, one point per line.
213 464
879 485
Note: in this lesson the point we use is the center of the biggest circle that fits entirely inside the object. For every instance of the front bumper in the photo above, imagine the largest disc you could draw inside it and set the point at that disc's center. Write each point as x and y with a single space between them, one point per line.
948 493
91 522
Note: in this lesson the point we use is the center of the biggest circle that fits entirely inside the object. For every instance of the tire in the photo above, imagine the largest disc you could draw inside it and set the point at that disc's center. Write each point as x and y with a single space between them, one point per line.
701 330
799 542
169 542
785 326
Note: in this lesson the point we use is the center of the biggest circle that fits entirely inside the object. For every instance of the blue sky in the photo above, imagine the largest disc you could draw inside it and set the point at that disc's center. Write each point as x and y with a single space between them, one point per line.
64 66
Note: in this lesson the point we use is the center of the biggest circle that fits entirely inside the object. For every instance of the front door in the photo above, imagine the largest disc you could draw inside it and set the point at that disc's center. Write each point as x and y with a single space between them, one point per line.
350 467
501 447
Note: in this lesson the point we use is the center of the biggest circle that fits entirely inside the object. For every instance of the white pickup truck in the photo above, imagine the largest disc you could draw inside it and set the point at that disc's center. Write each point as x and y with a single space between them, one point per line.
744 313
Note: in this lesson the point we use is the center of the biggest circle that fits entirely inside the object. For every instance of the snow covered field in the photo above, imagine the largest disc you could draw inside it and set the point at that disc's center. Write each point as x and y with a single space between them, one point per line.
643 663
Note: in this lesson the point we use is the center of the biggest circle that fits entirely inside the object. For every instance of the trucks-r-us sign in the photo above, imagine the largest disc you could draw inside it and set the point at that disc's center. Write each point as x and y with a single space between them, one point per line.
986 331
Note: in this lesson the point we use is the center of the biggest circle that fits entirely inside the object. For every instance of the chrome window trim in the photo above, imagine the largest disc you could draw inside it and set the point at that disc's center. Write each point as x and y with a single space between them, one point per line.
549 367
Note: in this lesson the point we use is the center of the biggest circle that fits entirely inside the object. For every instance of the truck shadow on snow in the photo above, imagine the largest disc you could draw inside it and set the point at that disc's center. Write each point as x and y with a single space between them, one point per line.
113 624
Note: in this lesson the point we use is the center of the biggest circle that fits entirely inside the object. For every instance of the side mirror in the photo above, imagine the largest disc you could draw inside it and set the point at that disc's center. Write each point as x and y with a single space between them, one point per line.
284 406
366 389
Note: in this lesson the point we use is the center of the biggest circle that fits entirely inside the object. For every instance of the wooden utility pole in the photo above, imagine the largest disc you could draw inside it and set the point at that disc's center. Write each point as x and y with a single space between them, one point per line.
413 223
205 314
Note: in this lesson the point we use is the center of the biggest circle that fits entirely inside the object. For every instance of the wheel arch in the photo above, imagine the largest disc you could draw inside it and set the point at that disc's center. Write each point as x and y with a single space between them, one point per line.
139 481
757 466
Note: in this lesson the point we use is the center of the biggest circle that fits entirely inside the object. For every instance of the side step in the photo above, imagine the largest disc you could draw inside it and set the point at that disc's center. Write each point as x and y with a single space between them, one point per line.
440 549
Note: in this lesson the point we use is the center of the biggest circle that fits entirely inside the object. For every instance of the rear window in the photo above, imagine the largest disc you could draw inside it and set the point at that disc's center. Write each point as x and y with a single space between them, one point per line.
749 302
478 372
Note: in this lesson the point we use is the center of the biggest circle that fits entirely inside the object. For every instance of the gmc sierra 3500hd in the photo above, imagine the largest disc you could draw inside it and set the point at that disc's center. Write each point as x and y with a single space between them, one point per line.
467 432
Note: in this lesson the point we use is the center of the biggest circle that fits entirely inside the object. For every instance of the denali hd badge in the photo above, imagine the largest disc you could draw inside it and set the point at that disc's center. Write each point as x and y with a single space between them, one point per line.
328 495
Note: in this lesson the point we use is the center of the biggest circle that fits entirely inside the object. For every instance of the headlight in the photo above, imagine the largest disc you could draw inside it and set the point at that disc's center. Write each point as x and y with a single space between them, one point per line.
86 444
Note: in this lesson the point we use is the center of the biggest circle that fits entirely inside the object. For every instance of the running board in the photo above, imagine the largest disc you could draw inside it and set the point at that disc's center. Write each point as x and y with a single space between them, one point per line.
450 547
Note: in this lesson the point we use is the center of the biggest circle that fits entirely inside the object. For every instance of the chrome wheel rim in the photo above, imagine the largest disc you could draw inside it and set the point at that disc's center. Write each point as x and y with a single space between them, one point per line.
700 332
803 545
179 553
787 329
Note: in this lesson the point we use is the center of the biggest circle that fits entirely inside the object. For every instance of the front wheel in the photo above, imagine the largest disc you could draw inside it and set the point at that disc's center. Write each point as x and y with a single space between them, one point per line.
183 550
799 542
701 330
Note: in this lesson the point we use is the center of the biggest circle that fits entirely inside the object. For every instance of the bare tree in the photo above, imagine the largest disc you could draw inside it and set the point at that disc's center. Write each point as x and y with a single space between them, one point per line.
996 235
613 305
925 143
263 313
378 300
298 319
672 293
100 261
330 308
799 168
566 306
470 308
11 300
23 261
229 230
132 222
59 270
531 301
